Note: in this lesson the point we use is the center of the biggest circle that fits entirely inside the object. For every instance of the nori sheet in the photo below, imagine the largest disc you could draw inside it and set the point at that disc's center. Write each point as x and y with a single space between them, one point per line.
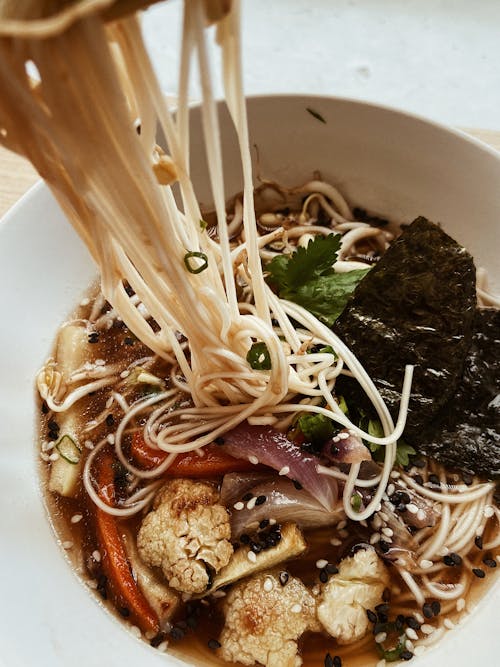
466 432
416 306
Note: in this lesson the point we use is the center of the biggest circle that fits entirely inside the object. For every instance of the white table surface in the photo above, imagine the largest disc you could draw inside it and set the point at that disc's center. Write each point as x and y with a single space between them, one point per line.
439 58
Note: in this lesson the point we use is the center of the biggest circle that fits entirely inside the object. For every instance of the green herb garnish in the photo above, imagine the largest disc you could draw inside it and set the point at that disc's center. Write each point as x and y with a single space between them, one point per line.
356 502
69 450
308 279
258 357
192 268
316 427
315 114
403 450
403 453
203 224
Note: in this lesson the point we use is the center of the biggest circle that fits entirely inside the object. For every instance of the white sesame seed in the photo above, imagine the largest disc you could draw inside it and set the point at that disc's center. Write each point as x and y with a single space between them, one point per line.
420 514
268 584
251 503
343 435
272 522
124 374
111 439
444 551
480 531
54 456
388 532
219 594
296 609
411 634
390 489
135 631
412 508
395 474
336 438
419 617
321 563
341 525
378 508
343 534
91 583
44 456
253 459
383 516
89 444
96 555
84 302
239 505
67 544
497 558
374 538
364 523
419 650
284 471
109 402
76 518
409 645
488 511
162 647
427 629
380 637
460 604
47 446
100 362
252 557
448 623
377 522
335 542
426 564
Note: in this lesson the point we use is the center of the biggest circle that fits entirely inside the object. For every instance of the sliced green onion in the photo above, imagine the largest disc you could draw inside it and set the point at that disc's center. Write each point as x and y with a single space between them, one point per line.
203 224
69 450
258 357
356 502
191 267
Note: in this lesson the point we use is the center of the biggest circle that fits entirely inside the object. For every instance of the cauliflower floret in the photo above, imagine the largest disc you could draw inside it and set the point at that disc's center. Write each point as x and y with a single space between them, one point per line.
358 586
186 534
264 619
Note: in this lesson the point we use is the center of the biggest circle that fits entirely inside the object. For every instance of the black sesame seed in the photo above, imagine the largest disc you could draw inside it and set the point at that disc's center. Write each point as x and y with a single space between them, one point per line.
478 541
489 562
52 435
382 618
436 607
270 541
219 441
386 595
456 558
110 420
247 497
401 508
406 655
418 479
448 560
255 547
480 574
176 632
283 577
53 425
124 611
323 576
128 340
372 616
384 546
245 539
260 500
213 644
379 627
434 479
297 485
399 622
382 608
328 660
427 610
412 623
264 524
157 639
467 479
93 337
44 408
331 569
337 661
419 463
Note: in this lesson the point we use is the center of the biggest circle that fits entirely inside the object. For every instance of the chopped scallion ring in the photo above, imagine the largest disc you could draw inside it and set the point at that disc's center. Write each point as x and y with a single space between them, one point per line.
195 269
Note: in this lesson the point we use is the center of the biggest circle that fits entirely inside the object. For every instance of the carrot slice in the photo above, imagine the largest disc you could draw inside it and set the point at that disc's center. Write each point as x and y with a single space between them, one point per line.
124 590
214 463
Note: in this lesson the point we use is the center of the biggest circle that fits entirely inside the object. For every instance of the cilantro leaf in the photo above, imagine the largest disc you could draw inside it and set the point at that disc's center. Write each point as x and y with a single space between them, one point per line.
316 427
326 296
258 357
307 278
403 453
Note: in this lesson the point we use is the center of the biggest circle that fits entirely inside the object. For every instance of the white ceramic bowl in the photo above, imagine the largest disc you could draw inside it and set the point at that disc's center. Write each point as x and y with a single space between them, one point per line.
387 161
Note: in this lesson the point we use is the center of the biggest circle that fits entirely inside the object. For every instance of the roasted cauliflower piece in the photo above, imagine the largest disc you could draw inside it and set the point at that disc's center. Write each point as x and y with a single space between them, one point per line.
344 599
264 620
186 534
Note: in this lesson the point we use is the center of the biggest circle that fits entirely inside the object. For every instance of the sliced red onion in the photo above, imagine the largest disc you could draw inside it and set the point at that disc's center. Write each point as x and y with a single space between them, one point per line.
236 484
263 444
345 447
281 501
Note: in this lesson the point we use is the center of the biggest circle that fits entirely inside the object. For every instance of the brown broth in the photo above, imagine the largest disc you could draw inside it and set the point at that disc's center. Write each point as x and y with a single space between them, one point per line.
194 646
